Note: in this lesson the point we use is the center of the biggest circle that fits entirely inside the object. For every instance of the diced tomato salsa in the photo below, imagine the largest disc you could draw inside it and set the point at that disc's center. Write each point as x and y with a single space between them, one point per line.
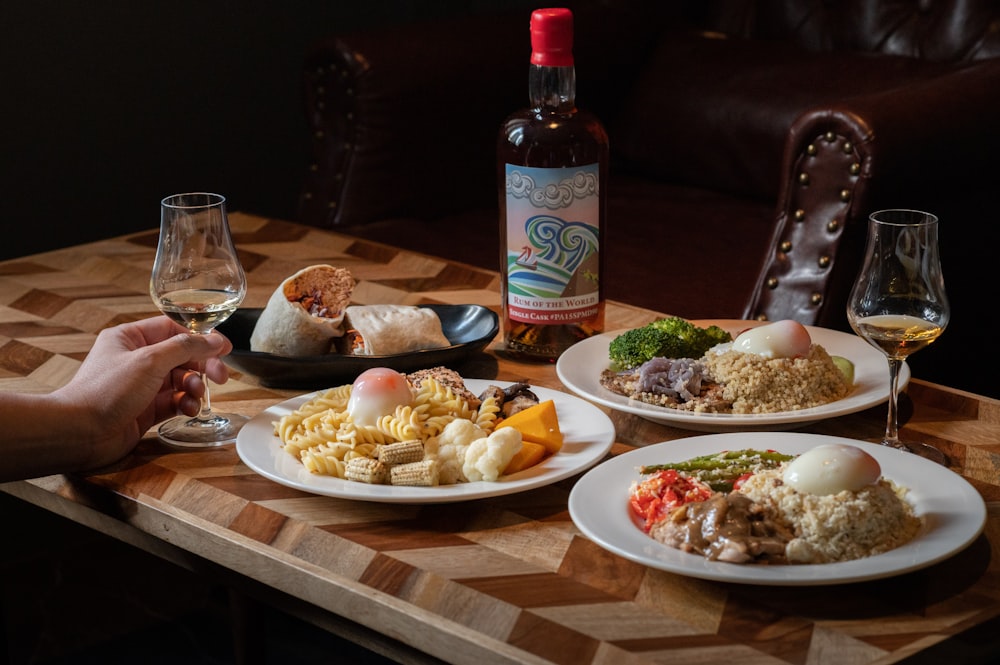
653 499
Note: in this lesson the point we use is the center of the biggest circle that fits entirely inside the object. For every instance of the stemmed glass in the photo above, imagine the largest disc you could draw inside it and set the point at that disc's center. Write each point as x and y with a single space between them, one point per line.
198 281
898 303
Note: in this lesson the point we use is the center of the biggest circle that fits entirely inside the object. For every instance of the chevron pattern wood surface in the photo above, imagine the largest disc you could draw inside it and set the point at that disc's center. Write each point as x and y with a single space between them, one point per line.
500 580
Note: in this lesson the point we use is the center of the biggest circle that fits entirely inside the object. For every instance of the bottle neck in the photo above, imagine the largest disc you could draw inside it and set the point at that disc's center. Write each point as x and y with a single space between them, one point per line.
552 89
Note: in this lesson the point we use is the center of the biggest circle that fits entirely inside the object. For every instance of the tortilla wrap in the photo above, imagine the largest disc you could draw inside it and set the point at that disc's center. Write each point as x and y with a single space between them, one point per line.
386 330
305 313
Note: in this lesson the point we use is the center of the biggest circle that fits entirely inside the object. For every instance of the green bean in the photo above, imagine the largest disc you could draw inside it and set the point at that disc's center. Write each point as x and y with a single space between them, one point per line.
732 459
721 470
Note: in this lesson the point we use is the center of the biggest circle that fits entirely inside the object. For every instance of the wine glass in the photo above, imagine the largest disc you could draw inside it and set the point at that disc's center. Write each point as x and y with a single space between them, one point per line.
198 281
898 303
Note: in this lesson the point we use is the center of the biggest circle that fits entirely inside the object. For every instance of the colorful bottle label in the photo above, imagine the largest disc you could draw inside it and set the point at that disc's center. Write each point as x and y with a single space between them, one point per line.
553 244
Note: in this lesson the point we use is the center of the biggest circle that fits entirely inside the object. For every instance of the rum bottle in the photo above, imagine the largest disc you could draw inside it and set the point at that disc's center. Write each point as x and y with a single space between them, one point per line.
552 171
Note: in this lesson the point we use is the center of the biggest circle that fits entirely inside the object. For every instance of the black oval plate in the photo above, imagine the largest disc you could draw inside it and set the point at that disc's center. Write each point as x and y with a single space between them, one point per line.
469 328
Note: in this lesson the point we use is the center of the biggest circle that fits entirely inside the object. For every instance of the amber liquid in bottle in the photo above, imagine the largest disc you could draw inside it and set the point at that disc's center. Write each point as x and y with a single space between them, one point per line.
554 134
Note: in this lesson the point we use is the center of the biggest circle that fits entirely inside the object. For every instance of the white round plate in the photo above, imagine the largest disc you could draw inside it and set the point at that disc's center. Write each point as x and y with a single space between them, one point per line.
580 366
587 436
953 512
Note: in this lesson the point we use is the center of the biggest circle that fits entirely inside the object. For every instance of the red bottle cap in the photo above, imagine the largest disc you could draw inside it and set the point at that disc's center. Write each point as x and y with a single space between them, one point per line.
552 37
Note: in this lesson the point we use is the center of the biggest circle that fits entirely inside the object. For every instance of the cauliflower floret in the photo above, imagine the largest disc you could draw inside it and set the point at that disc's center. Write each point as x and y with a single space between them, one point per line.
487 457
449 447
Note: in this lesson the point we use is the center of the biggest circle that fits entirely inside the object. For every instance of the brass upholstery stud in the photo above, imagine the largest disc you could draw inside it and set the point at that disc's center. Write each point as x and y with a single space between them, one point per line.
320 134
830 137
800 215
811 150
845 195
314 167
855 168
848 148
803 178
816 298
786 246
824 261
761 317
772 282
308 196
331 205
833 226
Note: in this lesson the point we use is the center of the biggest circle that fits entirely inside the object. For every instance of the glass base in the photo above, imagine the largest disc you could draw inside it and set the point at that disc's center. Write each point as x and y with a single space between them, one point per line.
186 432
924 450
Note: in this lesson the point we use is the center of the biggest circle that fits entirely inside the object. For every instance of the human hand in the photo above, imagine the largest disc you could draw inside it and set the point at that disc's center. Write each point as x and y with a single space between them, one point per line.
136 375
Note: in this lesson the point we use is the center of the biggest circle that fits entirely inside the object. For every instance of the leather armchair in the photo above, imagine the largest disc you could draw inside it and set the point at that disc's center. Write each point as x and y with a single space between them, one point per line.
750 141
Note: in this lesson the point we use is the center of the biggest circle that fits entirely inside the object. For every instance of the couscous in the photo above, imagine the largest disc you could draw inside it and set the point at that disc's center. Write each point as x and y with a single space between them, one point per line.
844 526
729 381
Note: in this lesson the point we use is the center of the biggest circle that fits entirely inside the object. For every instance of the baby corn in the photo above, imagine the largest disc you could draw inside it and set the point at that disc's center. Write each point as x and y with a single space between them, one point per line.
367 470
401 452
421 474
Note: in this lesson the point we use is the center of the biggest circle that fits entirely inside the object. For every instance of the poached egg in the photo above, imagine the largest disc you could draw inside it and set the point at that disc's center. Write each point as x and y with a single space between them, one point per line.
781 339
832 468
376 393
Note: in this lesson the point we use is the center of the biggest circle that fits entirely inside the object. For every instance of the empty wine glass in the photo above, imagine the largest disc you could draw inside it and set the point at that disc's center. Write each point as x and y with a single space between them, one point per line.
898 303
198 281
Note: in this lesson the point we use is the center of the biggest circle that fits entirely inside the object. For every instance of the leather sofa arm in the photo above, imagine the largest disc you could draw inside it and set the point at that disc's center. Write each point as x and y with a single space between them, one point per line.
404 120
922 146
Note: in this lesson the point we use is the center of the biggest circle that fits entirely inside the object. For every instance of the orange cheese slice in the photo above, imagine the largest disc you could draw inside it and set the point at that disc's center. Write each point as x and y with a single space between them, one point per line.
538 424
529 455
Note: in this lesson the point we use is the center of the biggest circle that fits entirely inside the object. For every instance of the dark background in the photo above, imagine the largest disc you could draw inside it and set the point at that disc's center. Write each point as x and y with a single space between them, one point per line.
107 106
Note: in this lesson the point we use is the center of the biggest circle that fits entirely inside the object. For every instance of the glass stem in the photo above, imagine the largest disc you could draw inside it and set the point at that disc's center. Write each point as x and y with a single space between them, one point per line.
892 420
206 400
205 414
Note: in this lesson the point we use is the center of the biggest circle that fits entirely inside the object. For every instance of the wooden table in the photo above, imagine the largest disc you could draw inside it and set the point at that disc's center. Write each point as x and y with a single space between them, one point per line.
501 580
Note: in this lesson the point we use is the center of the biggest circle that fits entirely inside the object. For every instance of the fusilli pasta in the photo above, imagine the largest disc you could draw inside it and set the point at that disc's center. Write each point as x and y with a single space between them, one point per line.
323 436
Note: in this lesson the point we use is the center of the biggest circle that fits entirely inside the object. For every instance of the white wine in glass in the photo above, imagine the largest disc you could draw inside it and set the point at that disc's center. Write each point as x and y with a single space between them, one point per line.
198 281
898 303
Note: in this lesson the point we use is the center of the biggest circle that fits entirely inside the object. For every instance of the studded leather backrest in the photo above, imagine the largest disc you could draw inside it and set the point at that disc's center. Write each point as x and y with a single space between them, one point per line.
836 165
818 237
846 159
932 30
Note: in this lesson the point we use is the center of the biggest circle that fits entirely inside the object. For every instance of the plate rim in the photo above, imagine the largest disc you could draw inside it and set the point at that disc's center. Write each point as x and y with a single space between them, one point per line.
601 431
938 540
719 422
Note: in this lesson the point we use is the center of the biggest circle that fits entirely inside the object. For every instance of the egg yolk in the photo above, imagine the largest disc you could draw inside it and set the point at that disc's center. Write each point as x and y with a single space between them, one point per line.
832 468
376 393
781 339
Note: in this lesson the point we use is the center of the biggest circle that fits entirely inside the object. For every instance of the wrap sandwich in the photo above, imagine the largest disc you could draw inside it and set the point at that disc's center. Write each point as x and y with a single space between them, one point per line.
305 313
385 330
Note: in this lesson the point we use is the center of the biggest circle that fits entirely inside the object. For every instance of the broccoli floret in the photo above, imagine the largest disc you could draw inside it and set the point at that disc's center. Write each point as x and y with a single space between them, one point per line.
684 330
671 337
634 347
695 340
715 335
